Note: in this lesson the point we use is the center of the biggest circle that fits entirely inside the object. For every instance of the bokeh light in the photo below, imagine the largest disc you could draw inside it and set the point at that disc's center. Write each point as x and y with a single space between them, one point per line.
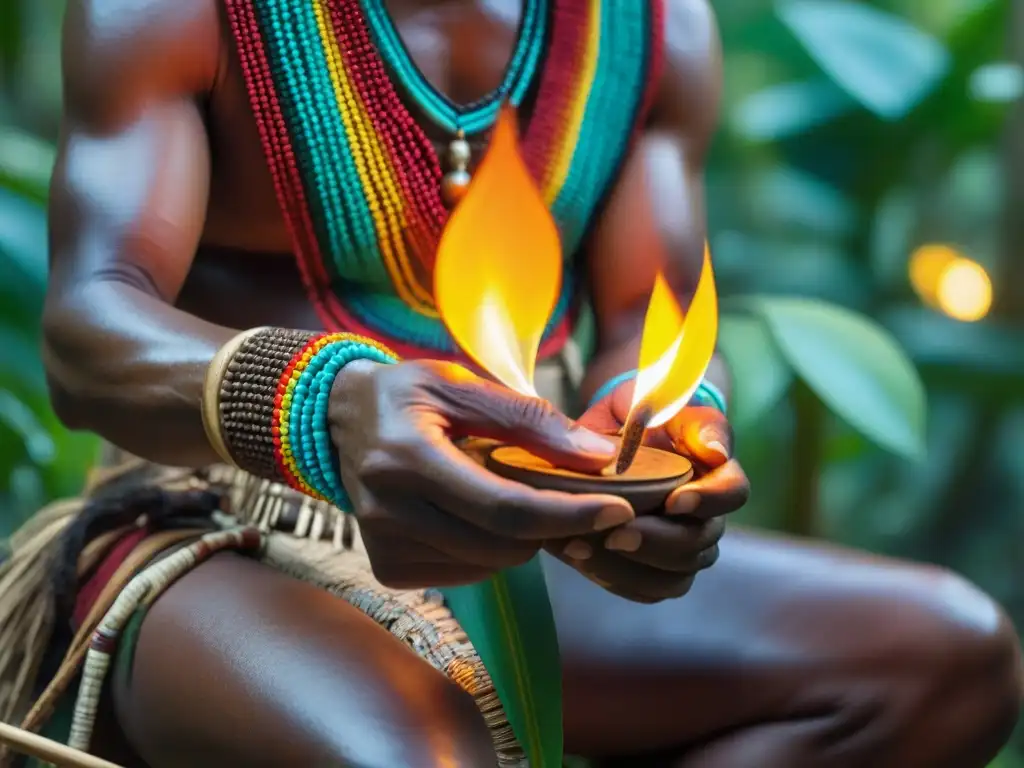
951 283
927 265
965 291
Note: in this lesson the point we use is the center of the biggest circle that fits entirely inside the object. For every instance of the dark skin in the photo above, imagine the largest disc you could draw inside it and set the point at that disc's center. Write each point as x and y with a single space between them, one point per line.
166 240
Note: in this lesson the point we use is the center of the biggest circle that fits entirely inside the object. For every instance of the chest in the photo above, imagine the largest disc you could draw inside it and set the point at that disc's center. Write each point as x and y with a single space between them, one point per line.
353 99
461 47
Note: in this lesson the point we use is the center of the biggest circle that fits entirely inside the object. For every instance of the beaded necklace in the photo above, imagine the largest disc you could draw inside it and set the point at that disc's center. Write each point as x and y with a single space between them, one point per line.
360 184
481 114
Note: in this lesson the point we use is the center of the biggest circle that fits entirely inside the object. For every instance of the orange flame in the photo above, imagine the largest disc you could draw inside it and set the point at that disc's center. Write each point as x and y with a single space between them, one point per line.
676 347
499 264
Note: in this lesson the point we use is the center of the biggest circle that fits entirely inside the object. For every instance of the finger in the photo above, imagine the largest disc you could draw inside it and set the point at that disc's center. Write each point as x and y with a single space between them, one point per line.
721 491
431 466
402 562
600 419
451 536
408 521
702 433
629 579
420 571
621 400
680 545
484 409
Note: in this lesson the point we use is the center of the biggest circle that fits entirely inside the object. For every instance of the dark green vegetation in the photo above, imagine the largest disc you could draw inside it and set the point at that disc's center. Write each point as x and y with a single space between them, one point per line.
852 133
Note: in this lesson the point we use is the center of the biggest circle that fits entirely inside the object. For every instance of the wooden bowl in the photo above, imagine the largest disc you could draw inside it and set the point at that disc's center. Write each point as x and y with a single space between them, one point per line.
645 485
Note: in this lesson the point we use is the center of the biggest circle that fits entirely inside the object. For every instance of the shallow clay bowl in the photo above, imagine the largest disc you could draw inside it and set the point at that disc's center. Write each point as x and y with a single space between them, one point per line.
645 485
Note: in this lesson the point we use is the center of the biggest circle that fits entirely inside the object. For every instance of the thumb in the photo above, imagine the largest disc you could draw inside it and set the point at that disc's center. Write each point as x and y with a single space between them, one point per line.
488 410
704 434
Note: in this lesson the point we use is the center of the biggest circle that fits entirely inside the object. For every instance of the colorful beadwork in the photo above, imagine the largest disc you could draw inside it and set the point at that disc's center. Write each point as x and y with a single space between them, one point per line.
274 403
481 114
358 180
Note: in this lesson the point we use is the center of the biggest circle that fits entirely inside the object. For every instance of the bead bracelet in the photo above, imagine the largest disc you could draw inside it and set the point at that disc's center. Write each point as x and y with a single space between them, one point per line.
707 394
266 399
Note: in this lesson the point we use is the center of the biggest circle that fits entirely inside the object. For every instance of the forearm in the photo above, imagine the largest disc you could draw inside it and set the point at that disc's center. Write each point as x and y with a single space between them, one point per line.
128 366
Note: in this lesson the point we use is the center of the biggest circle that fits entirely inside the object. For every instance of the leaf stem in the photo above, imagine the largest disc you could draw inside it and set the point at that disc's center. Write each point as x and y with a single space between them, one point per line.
808 457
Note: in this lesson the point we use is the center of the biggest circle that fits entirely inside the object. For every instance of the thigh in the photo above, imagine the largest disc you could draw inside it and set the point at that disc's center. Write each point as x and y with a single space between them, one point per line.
237 664
777 629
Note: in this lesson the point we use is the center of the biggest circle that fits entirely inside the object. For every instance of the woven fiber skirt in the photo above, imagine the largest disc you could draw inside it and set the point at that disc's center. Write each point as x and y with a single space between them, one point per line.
127 555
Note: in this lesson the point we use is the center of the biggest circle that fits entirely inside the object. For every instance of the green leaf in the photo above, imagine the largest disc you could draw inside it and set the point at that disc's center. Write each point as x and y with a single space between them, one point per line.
18 417
885 63
23 240
760 375
508 619
783 196
25 163
1001 82
854 366
789 109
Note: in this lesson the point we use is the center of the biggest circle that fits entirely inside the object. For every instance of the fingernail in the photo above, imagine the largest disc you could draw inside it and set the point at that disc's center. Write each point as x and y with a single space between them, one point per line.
578 550
591 442
717 447
623 540
685 503
611 516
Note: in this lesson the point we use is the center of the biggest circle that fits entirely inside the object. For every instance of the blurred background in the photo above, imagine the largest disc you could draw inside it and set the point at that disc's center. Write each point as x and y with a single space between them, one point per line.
866 204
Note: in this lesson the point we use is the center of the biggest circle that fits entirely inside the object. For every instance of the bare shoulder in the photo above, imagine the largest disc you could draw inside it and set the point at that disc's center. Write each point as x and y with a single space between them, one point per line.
124 52
689 94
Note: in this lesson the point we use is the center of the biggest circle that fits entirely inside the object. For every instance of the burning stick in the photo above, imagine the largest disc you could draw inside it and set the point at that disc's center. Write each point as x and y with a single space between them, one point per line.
632 439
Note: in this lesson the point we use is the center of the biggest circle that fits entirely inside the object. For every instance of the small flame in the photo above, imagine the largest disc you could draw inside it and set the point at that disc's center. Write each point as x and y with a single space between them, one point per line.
676 348
499 264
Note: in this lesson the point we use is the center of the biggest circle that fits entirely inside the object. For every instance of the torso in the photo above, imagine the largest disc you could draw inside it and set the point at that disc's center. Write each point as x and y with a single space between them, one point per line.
461 46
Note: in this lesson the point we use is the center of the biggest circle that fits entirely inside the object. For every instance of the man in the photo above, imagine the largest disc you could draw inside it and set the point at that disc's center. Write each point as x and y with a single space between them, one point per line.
167 240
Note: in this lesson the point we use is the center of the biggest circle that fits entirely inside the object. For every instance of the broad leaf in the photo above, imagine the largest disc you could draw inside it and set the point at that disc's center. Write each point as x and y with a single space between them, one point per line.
508 619
760 375
784 196
854 366
25 163
789 109
885 63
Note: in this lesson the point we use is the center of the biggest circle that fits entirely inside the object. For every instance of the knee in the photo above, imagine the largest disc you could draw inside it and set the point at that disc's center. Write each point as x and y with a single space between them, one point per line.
974 650
443 727
954 662
413 717
237 664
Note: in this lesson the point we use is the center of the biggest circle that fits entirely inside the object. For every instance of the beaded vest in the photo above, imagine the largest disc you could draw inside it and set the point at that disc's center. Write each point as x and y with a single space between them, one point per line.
339 104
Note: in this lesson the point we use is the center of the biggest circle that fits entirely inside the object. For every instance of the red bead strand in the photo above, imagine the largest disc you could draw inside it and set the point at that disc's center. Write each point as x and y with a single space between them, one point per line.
281 160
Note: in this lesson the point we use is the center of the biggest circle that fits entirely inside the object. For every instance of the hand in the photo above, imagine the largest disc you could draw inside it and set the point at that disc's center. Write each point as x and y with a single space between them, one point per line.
653 557
428 514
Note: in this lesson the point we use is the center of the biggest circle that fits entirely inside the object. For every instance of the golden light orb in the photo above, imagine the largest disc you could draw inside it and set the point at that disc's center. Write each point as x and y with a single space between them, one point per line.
927 265
964 291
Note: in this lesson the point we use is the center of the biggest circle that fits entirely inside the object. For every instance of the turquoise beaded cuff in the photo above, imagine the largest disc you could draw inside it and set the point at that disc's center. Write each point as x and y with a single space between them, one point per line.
272 404
710 396
610 386
707 394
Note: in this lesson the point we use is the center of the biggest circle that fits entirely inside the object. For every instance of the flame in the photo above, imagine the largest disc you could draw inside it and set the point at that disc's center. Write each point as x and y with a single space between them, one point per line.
676 348
499 264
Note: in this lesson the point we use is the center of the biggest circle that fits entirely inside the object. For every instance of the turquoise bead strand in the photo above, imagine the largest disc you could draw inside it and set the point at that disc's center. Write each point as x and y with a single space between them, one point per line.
479 116
315 455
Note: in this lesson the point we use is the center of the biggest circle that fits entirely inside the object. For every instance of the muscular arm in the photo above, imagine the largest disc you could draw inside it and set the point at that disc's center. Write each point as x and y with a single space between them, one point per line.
128 201
655 217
